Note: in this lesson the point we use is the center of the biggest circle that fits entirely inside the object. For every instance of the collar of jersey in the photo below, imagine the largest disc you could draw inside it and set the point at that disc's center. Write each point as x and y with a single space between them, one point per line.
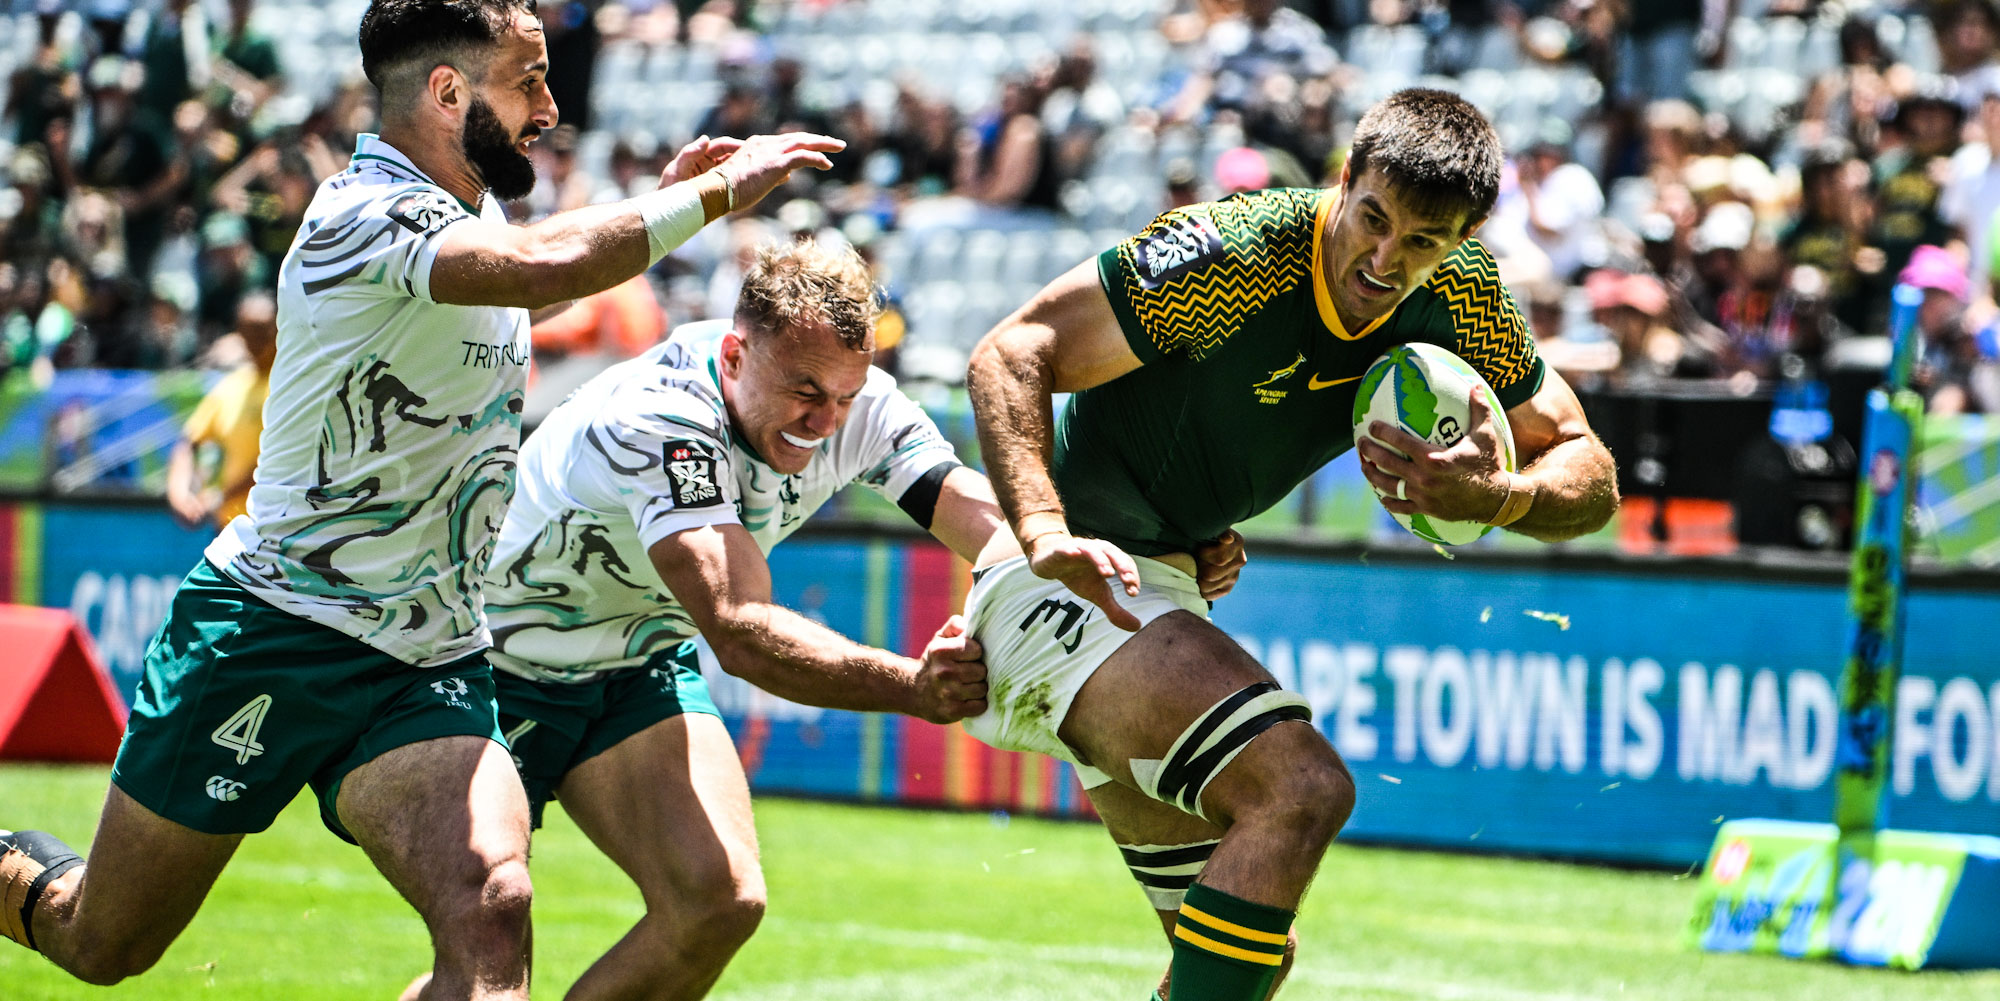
369 146
715 375
1329 202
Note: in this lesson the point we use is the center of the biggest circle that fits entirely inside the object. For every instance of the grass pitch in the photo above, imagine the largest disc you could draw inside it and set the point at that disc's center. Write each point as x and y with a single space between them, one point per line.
886 905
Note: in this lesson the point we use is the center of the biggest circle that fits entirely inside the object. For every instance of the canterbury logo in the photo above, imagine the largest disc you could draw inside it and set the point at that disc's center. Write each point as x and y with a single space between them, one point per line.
224 790
1314 383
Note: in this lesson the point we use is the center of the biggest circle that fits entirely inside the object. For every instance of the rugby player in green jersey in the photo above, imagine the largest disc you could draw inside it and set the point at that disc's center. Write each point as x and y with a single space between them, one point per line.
1214 359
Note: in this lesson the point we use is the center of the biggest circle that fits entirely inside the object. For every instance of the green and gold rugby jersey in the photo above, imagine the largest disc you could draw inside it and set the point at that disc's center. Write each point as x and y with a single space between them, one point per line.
1249 377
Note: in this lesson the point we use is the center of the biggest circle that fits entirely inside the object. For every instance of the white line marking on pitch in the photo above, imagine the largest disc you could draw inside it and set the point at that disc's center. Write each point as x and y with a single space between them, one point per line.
875 985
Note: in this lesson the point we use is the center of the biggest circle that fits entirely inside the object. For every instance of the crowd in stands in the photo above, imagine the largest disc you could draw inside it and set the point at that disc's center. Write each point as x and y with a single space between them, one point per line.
1720 189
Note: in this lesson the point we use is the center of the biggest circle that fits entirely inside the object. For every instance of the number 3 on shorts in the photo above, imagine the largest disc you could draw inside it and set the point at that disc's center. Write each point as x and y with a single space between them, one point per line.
239 732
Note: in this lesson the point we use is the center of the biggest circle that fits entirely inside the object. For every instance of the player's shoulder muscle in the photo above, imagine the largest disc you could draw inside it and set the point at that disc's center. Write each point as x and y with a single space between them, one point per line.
1192 277
1487 328
358 230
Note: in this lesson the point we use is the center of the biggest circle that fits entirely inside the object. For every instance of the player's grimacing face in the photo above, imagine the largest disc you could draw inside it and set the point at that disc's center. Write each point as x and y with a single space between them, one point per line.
789 391
1381 249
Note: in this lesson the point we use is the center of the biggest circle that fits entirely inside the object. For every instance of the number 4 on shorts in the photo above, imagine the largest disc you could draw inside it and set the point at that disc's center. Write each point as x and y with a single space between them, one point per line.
239 732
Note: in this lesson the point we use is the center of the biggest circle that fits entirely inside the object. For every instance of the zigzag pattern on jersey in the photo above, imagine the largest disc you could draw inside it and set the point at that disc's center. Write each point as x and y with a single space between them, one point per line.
1492 336
1267 237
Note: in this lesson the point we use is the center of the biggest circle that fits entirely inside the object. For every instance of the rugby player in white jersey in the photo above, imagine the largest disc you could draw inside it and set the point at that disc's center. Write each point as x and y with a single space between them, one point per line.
334 636
647 503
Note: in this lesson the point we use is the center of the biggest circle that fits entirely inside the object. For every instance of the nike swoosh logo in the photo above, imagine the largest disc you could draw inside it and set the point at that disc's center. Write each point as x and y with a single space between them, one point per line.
1314 383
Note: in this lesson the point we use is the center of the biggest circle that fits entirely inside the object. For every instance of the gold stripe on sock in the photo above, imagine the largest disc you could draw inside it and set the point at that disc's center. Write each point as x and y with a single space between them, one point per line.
1223 949
1247 934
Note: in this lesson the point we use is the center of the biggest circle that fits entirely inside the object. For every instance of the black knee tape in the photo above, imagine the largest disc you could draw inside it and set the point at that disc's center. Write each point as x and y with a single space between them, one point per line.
54 856
1166 871
1218 736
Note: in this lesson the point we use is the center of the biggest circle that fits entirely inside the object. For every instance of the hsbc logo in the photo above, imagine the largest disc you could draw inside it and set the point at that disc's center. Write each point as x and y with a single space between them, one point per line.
224 790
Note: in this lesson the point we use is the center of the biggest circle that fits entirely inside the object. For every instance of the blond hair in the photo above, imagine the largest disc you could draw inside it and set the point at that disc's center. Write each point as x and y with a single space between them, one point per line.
801 282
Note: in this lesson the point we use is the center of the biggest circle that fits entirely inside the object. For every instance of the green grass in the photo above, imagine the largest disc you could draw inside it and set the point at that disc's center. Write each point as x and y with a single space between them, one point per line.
883 905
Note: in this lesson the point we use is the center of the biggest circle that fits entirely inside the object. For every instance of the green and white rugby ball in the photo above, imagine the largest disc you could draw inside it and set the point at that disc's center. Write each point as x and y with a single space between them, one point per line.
1426 390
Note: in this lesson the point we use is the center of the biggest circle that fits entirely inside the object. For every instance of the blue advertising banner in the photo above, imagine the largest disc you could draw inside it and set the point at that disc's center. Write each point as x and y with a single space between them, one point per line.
1482 704
115 567
1606 715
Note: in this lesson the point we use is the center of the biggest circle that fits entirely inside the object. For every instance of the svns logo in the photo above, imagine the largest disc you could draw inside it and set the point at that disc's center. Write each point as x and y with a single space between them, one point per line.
691 468
451 689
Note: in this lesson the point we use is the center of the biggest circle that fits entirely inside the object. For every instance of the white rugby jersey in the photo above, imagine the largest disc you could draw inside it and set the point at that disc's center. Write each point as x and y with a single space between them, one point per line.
392 424
638 453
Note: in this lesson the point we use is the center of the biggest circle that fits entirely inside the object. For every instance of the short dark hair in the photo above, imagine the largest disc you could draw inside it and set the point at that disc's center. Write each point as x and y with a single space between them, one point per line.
1435 148
397 35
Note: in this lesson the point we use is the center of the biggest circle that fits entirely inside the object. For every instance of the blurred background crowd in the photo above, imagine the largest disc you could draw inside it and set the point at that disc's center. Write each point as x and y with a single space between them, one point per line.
1722 191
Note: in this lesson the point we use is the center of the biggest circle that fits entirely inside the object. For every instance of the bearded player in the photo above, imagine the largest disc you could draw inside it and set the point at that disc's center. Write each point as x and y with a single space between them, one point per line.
1214 359
334 635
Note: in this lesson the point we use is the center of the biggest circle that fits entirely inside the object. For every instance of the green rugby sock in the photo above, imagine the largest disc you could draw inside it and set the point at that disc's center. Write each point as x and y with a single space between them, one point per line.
1226 948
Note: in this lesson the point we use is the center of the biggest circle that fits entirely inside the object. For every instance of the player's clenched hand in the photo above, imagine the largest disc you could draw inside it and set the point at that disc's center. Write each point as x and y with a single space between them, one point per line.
1462 483
952 682
697 158
761 163
1087 567
1218 563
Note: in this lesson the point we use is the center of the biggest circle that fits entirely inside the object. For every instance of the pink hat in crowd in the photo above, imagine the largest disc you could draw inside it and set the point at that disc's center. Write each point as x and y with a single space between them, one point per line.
1242 169
1935 267
1609 289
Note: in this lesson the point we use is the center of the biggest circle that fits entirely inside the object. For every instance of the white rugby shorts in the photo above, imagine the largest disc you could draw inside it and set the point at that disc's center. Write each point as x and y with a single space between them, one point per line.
1042 642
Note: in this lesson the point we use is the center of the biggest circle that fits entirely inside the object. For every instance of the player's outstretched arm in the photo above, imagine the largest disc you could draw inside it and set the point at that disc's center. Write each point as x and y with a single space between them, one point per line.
1065 339
587 250
1567 486
968 516
720 577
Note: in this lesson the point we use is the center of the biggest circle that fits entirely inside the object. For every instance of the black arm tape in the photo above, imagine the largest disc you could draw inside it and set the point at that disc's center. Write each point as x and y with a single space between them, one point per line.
920 500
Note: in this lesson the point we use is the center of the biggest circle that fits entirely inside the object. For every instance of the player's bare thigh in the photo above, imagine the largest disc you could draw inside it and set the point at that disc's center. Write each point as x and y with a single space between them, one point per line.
446 821
671 806
1161 680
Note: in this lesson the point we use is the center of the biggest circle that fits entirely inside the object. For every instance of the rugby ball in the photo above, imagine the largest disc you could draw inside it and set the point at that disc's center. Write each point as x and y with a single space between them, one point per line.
1427 390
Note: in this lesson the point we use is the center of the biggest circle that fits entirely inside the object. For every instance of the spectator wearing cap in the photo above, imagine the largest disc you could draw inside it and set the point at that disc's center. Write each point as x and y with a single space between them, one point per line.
1831 231
1718 244
44 90
246 59
1562 201
230 418
226 270
1908 178
32 231
1968 32
132 156
1630 308
1948 352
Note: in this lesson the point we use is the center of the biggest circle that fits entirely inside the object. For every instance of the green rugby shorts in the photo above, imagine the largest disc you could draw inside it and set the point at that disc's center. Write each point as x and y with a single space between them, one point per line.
555 726
242 704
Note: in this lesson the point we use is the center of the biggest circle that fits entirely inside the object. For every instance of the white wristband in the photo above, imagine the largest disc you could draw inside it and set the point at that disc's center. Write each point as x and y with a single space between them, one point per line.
672 215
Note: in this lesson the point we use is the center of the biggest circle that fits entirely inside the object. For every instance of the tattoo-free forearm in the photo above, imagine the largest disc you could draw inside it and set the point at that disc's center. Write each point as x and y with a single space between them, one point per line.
1010 379
1576 491
795 658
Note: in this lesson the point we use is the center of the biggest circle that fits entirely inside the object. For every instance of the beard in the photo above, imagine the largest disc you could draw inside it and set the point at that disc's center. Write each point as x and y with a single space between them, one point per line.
506 170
